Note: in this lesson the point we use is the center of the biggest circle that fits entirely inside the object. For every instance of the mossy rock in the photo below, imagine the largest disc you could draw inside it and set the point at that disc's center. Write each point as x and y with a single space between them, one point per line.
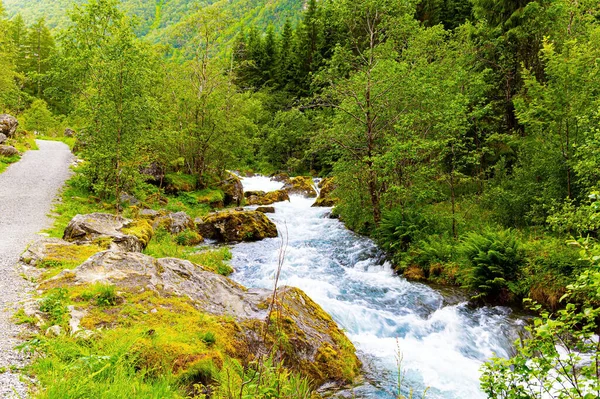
180 182
233 190
142 229
262 198
116 232
54 252
190 319
301 185
174 223
325 198
281 177
233 226
307 337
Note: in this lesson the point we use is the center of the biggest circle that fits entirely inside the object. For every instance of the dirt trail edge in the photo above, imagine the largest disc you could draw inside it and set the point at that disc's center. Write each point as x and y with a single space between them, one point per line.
27 190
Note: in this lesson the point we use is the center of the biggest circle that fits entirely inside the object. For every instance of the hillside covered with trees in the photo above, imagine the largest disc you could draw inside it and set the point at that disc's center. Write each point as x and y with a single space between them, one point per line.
463 136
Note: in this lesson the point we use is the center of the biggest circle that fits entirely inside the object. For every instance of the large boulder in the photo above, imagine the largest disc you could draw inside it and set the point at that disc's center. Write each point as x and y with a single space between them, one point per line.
314 344
301 185
8 125
262 198
325 198
175 223
233 226
233 190
114 232
8 151
3 138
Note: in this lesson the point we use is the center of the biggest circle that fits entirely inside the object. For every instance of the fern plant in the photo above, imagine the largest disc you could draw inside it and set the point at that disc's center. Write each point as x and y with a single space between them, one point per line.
494 259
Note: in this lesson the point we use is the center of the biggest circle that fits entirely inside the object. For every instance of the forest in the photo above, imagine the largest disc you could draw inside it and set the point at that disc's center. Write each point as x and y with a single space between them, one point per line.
463 136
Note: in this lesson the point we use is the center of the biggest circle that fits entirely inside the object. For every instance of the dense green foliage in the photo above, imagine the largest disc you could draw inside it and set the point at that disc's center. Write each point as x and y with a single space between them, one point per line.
462 135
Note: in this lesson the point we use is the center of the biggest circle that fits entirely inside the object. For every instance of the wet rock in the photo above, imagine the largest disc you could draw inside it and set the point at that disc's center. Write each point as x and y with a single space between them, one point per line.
248 194
265 209
3 138
315 345
8 151
233 190
120 233
301 185
8 125
174 223
233 226
281 177
256 198
69 132
325 198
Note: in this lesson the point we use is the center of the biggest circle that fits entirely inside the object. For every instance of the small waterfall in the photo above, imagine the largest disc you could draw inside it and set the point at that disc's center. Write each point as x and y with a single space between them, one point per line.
443 347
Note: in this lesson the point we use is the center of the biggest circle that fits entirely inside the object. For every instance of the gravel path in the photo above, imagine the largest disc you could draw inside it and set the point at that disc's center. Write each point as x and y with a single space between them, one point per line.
27 190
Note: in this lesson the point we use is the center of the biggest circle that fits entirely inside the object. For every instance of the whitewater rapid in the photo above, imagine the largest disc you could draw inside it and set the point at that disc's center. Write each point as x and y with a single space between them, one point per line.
443 346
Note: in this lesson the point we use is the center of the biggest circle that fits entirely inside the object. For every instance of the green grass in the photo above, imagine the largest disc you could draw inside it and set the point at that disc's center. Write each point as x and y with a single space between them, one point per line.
23 143
164 245
6 161
74 200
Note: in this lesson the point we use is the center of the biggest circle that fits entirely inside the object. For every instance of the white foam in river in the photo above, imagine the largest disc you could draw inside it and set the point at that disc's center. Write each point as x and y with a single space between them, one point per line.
443 346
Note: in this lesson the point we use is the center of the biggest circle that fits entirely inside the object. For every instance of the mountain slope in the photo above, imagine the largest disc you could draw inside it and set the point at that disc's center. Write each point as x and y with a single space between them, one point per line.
157 18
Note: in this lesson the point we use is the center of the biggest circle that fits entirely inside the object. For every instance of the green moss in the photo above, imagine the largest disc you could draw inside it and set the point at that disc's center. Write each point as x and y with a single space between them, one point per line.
177 182
209 196
141 229
60 257
188 238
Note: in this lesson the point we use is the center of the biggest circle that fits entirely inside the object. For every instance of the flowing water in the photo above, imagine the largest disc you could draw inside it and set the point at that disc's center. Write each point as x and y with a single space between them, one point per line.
443 346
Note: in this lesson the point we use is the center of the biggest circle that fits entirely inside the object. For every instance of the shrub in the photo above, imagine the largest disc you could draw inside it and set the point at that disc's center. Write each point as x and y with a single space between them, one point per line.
54 305
399 228
493 259
102 294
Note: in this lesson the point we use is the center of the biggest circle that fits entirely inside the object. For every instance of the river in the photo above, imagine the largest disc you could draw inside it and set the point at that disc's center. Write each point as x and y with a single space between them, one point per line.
443 346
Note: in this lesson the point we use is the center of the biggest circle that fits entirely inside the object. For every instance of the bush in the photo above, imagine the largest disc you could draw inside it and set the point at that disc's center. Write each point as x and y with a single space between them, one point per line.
399 228
54 305
494 259
433 249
